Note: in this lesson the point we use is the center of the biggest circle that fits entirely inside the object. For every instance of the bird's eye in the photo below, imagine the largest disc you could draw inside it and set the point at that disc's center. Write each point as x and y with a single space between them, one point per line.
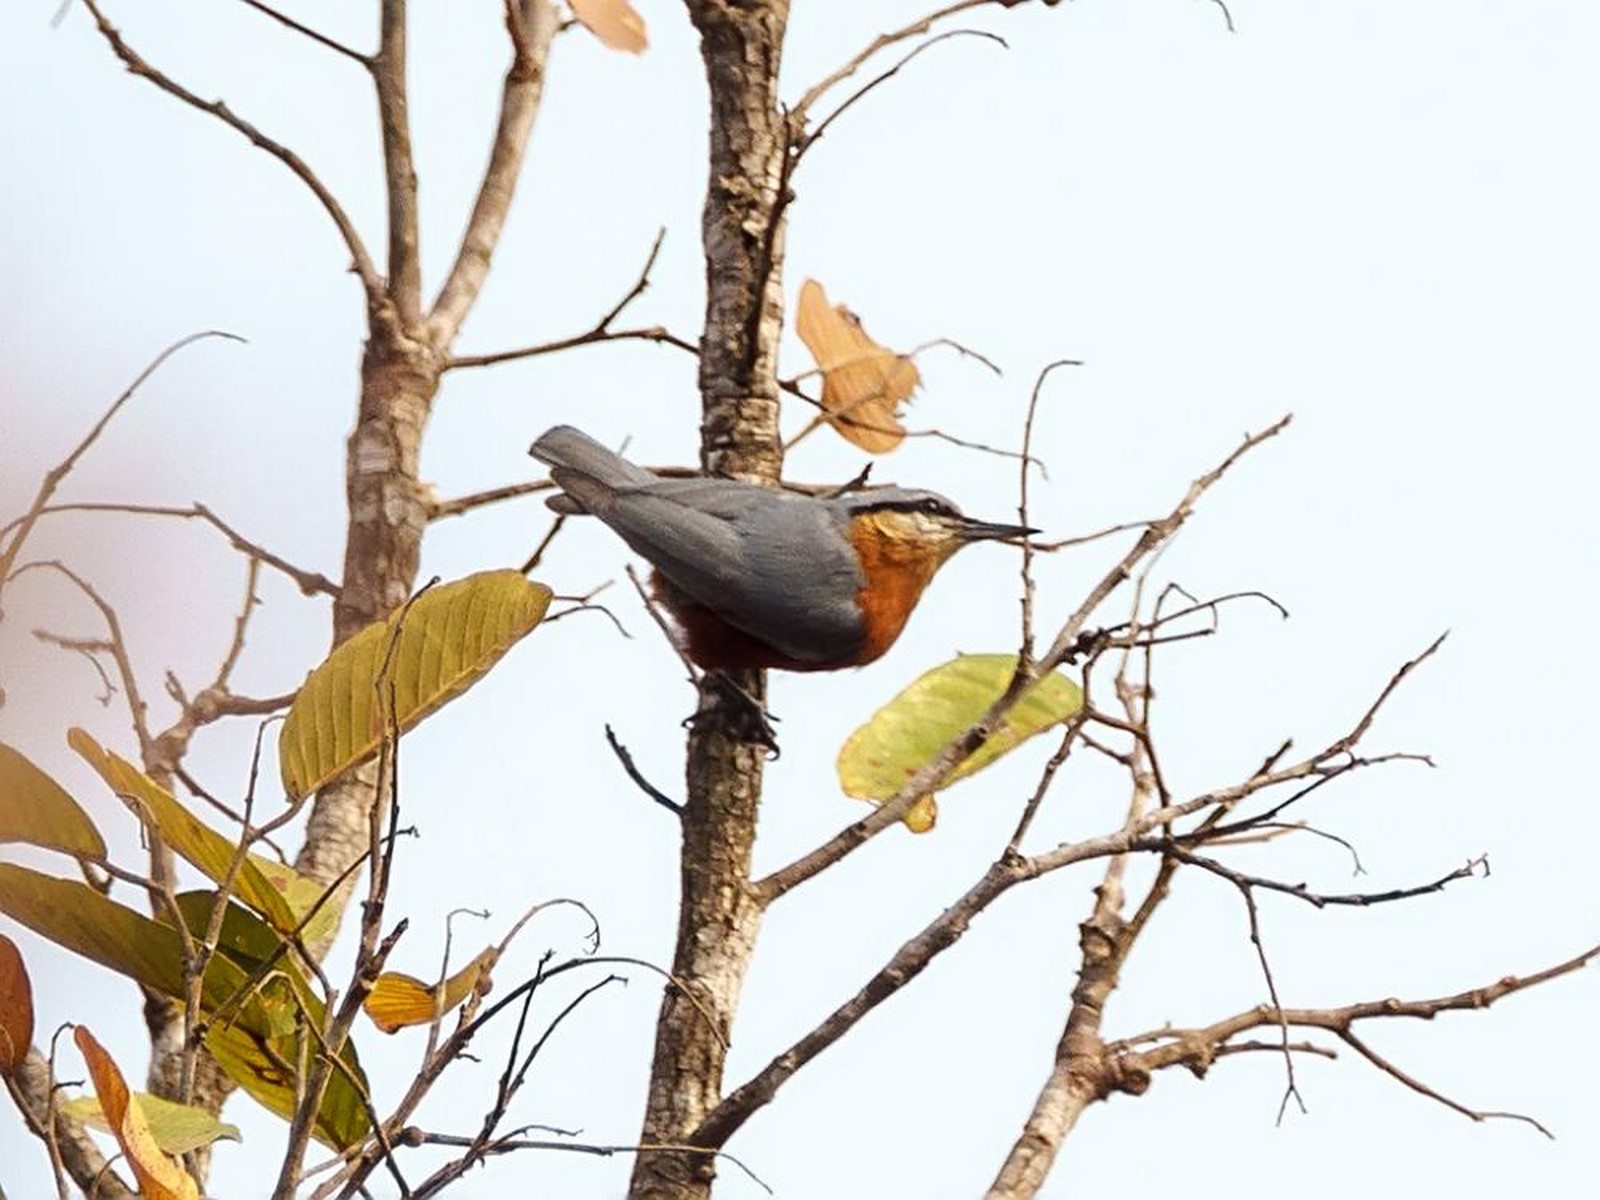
933 507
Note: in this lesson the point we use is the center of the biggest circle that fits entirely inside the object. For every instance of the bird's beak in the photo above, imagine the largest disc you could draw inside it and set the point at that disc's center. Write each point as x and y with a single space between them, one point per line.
983 531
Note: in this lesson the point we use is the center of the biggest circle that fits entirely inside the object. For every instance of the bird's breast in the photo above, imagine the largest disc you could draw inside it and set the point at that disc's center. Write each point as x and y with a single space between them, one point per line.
895 571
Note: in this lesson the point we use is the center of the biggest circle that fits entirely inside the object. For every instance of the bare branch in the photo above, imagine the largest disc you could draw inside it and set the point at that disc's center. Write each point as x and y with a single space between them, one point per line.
804 141
321 39
461 505
33 1089
309 582
1196 1048
23 526
883 41
644 785
1025 653
648 333
531 24
361 261
930 777
1388 1068
600 331
399 169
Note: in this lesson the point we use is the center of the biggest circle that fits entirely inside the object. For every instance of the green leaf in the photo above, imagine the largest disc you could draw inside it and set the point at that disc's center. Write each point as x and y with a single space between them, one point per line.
75 915
429 652
178 1128
35 809
302 895
905 734
256 1061
261 1066
259 1040
184 833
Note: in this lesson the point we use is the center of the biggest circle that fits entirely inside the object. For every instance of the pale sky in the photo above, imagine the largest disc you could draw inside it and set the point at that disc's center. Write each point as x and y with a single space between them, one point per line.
1380 217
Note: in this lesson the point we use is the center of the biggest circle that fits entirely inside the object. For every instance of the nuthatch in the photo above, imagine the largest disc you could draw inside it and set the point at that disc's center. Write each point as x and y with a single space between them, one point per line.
762 577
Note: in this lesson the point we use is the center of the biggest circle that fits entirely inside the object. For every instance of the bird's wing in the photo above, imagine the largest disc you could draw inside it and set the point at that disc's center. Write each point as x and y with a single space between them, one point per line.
773 564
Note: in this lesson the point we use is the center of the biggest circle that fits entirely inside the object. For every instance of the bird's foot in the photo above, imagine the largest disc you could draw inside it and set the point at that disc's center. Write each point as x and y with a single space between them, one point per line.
738 711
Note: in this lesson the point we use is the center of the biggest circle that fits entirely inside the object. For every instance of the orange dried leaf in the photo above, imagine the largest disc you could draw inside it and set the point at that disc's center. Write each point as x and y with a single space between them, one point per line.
614 22
16 1007
160 1178
863 384
398 1001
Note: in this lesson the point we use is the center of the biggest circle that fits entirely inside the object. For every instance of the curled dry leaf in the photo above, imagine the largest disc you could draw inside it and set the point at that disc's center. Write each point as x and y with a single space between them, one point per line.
16 1007
614 22
397 1000
160 1178
863 384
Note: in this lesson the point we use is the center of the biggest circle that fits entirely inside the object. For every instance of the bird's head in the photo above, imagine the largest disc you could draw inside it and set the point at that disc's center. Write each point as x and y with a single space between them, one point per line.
921 522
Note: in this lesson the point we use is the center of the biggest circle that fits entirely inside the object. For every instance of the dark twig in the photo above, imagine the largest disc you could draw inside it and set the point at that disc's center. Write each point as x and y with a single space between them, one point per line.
321 39
1025 654
805 140
440 509
644 785
371 282
1350 1039
53 477
600 331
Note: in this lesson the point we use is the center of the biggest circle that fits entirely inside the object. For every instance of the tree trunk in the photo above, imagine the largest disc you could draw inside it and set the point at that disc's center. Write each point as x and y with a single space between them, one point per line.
388 513
720 916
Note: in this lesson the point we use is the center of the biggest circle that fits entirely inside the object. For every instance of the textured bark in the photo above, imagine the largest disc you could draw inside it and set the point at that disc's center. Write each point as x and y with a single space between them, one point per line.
720 913
388 513
1083 1072
31 1087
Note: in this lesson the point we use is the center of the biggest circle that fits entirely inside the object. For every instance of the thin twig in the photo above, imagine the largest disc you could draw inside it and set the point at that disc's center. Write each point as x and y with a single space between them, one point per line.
23 526
371 282
644 785
321 39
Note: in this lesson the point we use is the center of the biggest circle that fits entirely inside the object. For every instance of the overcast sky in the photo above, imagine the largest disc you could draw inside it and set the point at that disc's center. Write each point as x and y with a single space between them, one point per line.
1377 216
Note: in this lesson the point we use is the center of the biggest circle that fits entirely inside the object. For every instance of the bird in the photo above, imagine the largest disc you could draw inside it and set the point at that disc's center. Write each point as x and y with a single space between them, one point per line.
764 577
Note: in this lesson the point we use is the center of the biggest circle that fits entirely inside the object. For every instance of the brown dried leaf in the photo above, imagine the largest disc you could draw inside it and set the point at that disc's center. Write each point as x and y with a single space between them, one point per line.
863 384
160 1178
16 1007
614 22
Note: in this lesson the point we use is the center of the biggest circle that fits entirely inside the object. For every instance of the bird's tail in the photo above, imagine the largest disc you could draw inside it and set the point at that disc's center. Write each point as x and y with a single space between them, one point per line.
587 473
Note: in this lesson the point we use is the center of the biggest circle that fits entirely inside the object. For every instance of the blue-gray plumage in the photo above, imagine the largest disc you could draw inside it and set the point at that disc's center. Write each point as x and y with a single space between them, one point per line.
798 574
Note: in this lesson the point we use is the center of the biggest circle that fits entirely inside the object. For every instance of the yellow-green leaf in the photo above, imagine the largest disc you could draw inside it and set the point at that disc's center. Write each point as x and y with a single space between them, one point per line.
35 809
74 915
397 1000
303 895
255 1058
177 1128
16 1007
905 734
259 1066
160 1177
185 833
428 653
259 1038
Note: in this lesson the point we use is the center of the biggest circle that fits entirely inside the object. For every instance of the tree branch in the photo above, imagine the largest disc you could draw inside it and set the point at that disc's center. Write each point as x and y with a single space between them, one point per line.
399 169
932 776
321 39
32 1088
361 261
531 25
24 524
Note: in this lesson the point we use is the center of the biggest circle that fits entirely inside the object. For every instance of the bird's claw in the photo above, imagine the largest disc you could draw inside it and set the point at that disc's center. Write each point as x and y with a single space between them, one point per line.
741 715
